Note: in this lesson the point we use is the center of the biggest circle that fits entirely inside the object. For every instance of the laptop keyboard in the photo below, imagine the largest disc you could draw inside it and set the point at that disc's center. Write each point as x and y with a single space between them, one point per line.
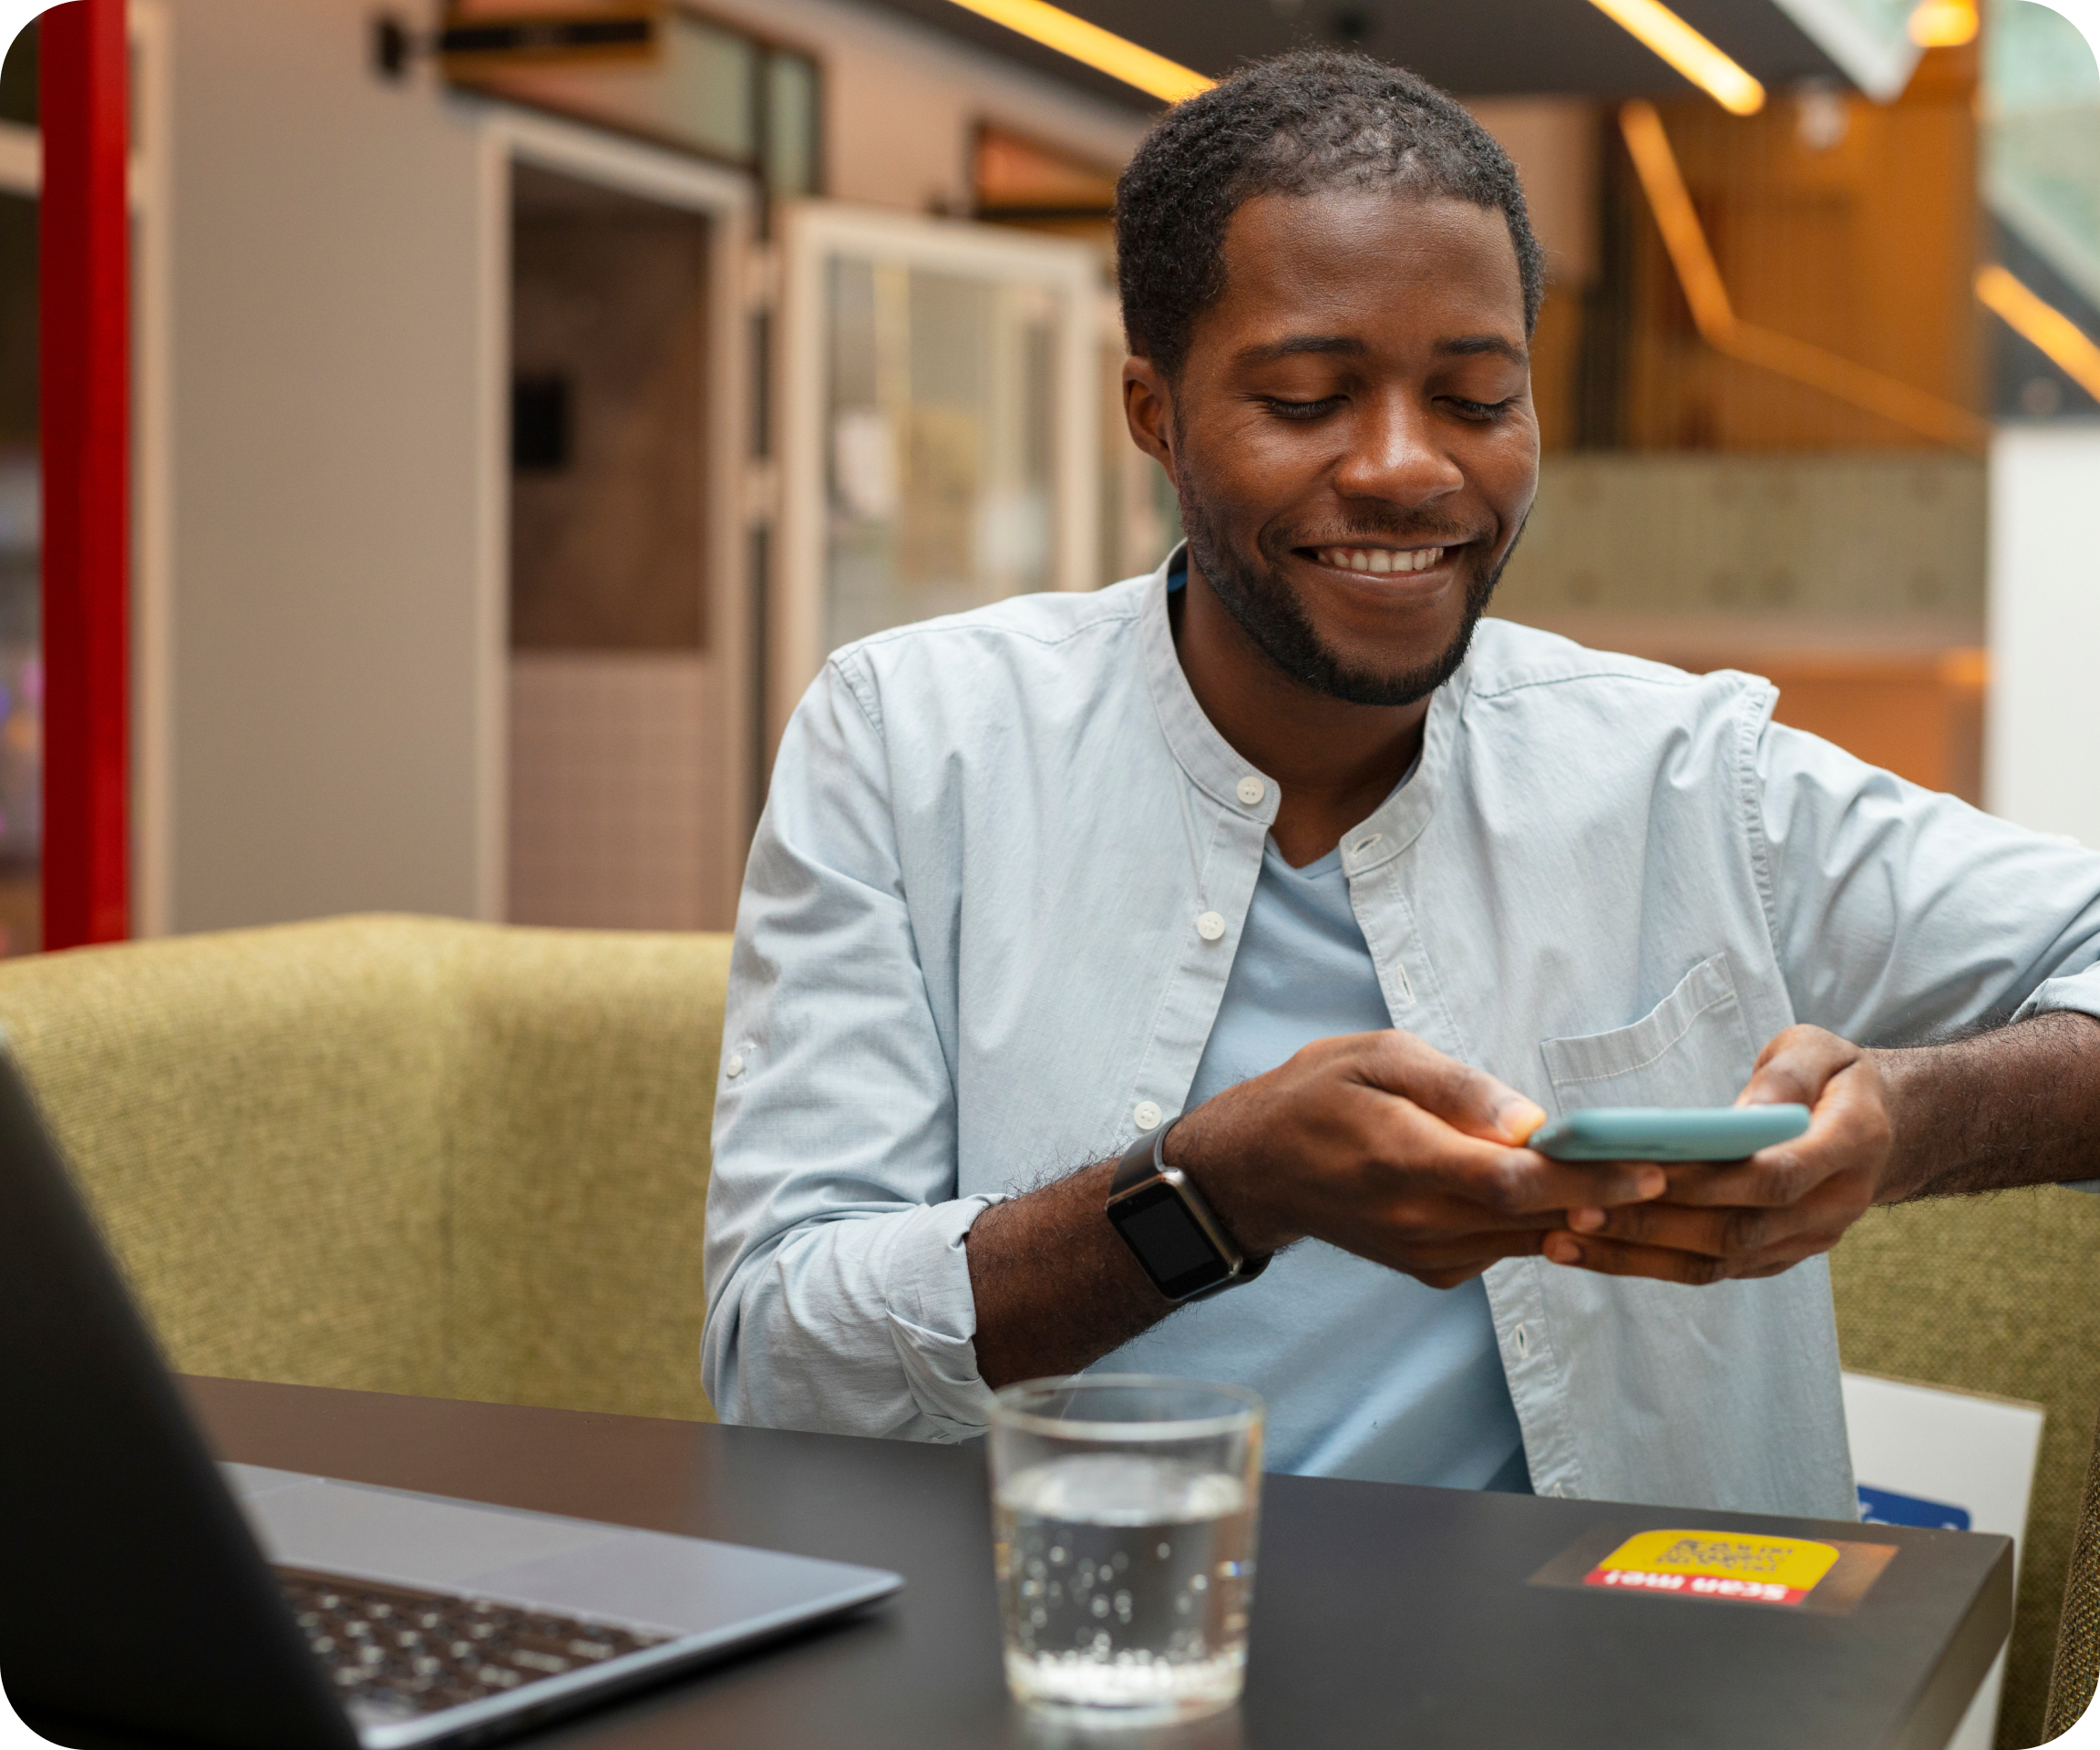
395 1648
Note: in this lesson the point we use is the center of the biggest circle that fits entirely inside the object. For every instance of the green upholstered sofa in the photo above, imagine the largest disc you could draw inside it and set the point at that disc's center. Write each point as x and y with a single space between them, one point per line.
398 1153
466 1160
2077 1669
1998 1294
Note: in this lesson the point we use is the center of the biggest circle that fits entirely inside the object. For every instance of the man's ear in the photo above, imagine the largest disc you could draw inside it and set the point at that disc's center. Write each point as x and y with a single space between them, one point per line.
1148 410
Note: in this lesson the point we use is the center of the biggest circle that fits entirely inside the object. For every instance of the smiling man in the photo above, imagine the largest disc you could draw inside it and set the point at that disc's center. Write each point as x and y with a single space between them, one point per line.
1168 979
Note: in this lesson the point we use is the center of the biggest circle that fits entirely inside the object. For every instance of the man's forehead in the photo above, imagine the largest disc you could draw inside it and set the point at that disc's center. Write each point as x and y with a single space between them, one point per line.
1360 256
1390 214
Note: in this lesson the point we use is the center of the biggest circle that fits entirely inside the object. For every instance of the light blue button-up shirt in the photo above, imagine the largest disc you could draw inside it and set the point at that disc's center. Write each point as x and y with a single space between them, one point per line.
968 960
1366 1372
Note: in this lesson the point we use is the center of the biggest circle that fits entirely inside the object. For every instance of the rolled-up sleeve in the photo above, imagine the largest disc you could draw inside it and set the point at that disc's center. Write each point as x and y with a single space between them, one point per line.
838 1288
1902 916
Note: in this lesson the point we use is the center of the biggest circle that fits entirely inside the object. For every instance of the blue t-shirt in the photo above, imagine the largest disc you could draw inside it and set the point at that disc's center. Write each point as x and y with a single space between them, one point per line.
1367 1373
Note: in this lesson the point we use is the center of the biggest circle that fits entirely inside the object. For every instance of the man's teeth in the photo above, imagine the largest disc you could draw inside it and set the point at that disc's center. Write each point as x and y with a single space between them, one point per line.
1379 561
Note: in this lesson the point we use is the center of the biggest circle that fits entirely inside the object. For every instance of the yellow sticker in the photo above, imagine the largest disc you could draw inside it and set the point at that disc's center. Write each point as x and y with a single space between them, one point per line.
1716 1564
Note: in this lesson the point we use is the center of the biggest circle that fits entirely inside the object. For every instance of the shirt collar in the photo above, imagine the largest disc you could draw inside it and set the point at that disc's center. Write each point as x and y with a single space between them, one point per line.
1213 766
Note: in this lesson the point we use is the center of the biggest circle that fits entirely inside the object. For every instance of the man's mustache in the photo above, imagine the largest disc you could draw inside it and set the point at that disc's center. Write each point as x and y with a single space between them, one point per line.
1368 531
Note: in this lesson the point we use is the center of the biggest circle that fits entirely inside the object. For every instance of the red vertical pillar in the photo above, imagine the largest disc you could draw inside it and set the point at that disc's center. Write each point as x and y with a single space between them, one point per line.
84 308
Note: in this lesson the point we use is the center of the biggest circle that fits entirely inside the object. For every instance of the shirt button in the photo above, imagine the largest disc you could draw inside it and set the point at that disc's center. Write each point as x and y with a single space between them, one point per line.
1209 926
1251 790
733 1067
1521 1339
1147 1115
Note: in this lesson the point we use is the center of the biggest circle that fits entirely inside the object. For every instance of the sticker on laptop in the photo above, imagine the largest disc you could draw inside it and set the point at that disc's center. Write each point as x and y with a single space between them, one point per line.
1828 1575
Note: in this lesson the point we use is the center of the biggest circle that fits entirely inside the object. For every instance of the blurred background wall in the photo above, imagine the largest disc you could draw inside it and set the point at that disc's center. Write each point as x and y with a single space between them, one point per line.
322 368
522 416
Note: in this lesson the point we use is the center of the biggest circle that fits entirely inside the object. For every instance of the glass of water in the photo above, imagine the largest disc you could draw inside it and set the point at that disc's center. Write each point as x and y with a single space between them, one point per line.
1123 1518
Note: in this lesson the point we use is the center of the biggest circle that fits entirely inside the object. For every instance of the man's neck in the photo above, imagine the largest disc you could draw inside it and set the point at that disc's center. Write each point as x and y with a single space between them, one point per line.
1335 762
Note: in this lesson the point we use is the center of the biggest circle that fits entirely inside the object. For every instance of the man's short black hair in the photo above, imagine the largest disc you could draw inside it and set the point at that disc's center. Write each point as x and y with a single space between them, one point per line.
1298 123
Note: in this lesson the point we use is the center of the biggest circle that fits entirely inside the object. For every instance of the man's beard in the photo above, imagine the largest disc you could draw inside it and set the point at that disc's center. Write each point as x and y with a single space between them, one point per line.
1255 593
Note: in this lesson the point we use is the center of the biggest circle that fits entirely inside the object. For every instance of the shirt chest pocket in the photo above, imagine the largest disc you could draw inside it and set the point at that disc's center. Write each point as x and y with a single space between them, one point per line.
1692 1049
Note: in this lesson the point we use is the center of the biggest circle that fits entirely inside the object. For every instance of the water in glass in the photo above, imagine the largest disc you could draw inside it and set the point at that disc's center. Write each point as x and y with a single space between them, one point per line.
1125 1578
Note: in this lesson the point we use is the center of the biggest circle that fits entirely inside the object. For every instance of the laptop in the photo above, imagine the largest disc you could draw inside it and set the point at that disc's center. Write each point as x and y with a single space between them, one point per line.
152 1594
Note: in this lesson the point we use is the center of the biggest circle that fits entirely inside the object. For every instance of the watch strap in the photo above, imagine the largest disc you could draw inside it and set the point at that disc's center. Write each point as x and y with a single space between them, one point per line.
1145 1160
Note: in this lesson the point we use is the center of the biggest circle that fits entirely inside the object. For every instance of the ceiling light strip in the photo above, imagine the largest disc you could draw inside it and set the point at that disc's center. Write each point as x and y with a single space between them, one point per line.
2044 327
1700 276
1102 50
1668 35
1944 24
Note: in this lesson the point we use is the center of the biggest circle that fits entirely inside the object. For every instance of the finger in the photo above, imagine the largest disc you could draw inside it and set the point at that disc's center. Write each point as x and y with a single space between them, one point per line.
1794 1067
1590 1188
1669 1263
1847 1128
1615 1258
1443 1225
1466 1098
1514 1182
1448 1263
1735 1234
1771 1178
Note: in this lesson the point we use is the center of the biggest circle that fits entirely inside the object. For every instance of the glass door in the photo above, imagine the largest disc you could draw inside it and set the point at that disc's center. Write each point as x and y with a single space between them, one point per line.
941 426
628 739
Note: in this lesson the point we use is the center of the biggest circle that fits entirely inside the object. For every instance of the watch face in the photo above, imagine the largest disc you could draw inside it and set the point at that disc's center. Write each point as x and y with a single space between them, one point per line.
1176 1253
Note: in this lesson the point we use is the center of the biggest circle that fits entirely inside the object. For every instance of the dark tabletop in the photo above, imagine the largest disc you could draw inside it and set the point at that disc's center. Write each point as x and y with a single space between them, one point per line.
1384 1615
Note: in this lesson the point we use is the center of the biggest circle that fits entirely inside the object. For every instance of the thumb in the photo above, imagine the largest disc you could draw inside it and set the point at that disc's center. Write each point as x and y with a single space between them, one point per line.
1521 1118
1467 1100
1517 1117
1796 1066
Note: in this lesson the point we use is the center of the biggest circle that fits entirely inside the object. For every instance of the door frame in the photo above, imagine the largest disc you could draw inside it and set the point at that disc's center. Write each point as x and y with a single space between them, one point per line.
730 201
810 231
150 194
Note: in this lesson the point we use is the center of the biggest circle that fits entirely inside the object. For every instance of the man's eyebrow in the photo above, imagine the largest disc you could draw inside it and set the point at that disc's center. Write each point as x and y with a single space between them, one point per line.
1348 346
1269 351
1473 345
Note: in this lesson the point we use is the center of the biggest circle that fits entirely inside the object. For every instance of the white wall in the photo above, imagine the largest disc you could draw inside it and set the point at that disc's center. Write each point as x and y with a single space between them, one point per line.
2041 742
324 724
331 739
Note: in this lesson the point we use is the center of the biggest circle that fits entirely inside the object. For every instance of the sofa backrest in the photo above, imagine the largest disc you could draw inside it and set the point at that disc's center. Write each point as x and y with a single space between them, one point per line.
580 1147
2076 1672
398 1153
1993 1294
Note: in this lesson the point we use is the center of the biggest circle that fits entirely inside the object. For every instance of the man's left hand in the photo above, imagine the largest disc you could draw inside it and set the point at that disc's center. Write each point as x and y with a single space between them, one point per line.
1760 1216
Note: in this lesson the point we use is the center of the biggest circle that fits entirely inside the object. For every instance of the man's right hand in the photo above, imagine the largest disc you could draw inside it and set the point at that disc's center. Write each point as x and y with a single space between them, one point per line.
1374 1142
1381 1145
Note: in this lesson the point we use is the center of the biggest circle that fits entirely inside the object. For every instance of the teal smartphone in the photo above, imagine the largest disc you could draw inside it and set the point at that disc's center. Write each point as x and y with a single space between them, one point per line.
1668 1133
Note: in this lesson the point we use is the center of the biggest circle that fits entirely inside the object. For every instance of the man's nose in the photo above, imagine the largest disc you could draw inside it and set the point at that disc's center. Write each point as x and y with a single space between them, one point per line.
1397 455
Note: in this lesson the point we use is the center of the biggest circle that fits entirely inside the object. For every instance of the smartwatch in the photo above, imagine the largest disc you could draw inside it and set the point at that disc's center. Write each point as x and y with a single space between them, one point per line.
1176 1237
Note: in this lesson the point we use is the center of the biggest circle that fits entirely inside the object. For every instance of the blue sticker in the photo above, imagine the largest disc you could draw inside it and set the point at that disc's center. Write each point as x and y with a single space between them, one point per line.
1885 1507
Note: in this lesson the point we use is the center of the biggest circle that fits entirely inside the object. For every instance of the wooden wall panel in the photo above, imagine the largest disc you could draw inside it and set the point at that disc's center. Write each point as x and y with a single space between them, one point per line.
1848 224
